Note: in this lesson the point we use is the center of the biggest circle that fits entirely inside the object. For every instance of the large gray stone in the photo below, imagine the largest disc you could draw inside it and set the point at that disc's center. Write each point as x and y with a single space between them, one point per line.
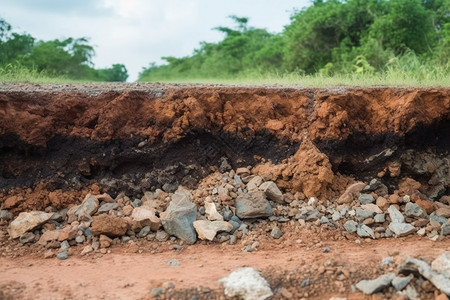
5 215
272 191
365 231
414 210
413 265
396 215
401 229
27 221
207 230
363 214
253 205
179 217
399 283
372 286
247 284
350 226
366 198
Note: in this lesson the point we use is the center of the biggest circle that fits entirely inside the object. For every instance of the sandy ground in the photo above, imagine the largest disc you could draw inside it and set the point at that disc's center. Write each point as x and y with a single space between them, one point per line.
120 275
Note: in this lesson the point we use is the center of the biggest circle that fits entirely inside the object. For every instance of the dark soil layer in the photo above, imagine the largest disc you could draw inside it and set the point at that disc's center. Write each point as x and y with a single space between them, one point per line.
134 138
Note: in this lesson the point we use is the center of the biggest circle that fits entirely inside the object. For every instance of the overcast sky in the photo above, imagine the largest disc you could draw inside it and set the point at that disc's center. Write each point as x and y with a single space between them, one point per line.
138 32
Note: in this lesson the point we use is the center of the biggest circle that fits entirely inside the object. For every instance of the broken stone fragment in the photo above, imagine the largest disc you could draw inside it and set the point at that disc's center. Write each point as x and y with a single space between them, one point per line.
414 266
179 217
350 192
88 207
146 216
246 283
27 221
109 225
372 286
442 264
207 230
401 229
211 212
272 191
253 205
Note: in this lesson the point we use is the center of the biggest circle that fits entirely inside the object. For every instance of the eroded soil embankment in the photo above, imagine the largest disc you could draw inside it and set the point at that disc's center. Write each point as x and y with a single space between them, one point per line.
55 143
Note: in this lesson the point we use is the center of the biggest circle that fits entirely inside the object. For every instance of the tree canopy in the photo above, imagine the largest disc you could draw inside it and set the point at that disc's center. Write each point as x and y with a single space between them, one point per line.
333 36
71 57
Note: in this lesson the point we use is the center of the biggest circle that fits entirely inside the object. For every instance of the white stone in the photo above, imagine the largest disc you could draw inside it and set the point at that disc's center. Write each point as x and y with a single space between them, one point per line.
246 283
372 207
401 229
396 215
27 221
442 264
207 230
211 212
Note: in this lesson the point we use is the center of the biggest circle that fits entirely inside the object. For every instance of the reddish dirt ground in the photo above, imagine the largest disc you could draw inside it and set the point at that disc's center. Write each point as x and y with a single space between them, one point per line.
120 275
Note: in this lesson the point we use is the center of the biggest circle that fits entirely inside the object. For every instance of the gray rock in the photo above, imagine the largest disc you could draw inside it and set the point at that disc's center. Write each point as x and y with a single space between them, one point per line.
173 262
236 226
236 219
156 292
386 261
399 283
336 216
411 293
441 264
79 239
440 220
233 239
65 246
413 265
374 185
304 283
62 255
308 214
227 214
379 218
350 226
276 233
324 220
445 229
137 203
179 217
161 236
253 205
5 215
107 207
396 215
364 231
144 232
272 191
388 233
363 214
414 210
27 237
246 283
125 239
366 198
401 229
27 221
372 286
88 207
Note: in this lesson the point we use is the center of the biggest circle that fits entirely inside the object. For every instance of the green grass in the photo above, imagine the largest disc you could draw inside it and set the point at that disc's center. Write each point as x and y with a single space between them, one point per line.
18 74
394 77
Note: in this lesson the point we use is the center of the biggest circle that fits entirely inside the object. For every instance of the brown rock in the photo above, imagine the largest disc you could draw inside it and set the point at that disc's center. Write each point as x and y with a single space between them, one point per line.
394 199
242 172
443 211
12 202
445 199
105 198
49 254
441 297
407 186
382 203
427 205
105 242
68 233
48 236
109 225
274 125
127 210
146 216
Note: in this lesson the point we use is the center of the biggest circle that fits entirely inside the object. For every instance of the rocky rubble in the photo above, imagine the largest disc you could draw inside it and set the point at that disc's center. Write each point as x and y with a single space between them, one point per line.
225 207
